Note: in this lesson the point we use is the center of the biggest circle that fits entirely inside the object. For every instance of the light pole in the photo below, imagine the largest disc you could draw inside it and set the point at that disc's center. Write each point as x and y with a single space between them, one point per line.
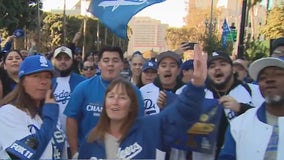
38 20
210 28
64 22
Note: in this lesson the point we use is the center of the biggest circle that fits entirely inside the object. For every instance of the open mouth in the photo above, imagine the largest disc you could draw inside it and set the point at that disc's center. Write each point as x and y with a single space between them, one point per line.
218 75
167 75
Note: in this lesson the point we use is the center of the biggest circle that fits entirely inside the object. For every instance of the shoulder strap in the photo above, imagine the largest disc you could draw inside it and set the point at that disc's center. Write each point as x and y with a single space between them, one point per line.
247 87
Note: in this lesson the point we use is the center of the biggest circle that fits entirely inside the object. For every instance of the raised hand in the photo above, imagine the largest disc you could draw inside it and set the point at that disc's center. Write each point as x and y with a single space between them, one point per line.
200 66
49 97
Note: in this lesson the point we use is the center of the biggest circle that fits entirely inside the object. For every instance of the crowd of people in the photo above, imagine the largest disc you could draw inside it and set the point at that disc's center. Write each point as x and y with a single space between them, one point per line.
105 106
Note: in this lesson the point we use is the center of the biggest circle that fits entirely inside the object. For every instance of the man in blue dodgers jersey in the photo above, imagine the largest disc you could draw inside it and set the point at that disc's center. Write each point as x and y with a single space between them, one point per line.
259 133
121 134
235 96
29 115
85 105
65 81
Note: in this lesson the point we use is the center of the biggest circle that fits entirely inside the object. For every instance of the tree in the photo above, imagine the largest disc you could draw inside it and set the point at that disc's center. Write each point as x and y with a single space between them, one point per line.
175 36
18 14
274 27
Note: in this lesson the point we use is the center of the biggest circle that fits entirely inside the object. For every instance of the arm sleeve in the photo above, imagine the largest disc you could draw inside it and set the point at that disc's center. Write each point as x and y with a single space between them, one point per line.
140 101
50 115
182 113
21 133
244 108
228 151
73 108
7 46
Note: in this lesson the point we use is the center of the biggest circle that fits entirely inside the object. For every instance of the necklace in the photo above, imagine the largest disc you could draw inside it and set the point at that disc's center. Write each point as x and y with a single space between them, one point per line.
103 83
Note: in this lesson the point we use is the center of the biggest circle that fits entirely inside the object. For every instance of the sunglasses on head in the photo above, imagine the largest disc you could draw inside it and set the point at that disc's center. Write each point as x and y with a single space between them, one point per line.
85 68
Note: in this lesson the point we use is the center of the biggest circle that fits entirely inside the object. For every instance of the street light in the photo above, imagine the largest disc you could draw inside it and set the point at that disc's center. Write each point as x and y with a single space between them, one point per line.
211 27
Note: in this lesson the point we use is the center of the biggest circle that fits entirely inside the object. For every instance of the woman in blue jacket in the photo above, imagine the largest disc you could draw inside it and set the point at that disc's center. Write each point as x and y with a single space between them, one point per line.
120 134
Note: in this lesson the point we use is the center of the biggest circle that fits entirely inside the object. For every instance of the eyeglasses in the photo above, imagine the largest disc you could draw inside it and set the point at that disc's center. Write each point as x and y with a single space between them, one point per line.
85 68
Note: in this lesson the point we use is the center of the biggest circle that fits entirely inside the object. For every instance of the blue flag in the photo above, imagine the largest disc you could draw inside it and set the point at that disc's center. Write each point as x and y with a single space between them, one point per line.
115 14
225 33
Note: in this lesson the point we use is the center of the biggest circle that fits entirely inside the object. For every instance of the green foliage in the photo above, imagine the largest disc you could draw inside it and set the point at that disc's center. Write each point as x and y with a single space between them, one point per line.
212 43
18 14
175 36
274 27
257 49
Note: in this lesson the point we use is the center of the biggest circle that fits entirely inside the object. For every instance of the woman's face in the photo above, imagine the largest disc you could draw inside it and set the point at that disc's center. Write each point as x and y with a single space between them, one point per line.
37 84
12 62
117 104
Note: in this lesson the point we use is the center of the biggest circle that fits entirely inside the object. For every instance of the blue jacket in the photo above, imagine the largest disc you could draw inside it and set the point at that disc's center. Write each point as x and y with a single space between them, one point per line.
155 132
75 79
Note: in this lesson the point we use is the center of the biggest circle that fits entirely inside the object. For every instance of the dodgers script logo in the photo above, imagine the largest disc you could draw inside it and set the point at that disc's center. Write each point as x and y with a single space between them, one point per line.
149 107
117 3
130 151
62 97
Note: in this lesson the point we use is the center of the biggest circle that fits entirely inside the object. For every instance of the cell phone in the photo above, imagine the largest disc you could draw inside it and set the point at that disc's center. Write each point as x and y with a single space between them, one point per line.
188 45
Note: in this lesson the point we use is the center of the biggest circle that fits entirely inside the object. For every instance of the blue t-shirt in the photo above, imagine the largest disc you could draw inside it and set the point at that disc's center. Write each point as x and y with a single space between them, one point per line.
86 103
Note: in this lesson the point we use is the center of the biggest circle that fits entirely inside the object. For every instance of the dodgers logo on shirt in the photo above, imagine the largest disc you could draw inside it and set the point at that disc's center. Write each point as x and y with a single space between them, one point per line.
130 151
62 97
149 107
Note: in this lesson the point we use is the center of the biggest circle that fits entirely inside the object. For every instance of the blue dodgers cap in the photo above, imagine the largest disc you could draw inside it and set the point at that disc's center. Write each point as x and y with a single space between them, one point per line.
149 65
187 65
19 33
33 64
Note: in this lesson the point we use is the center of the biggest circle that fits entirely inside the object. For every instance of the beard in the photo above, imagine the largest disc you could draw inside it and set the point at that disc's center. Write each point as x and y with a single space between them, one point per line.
64 73
274 100
222 85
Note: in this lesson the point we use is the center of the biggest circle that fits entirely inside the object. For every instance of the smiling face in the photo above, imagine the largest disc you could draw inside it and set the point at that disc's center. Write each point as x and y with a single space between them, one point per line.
168 71
271 84
220 73
12 62
117 103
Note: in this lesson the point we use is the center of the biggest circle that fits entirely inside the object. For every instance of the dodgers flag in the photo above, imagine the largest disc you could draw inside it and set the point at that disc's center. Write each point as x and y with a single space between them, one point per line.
226 31
115 14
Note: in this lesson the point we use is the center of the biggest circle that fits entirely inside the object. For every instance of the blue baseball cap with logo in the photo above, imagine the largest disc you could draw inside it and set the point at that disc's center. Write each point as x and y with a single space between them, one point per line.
19 33
34 64
149 65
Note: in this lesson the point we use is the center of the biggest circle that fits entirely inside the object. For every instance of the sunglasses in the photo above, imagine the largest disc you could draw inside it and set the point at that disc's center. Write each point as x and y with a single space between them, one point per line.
88 67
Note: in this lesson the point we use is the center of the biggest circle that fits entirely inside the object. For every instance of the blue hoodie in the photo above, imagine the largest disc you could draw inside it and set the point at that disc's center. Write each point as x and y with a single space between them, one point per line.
156 132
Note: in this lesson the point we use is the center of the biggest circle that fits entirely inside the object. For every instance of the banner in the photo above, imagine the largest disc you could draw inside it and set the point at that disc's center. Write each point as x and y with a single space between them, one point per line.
225 34
115 14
